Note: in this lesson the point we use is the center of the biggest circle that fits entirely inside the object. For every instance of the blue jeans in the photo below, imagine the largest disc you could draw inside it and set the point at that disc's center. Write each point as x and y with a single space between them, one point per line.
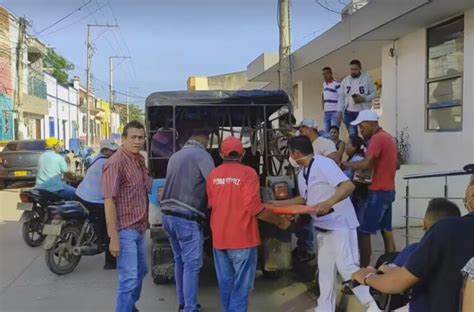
67 193
187 241
304 232
348 118
131 267
329 121
236 275
377 213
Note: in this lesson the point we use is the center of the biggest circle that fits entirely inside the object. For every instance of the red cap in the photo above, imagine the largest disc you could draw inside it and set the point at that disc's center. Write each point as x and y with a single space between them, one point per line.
231 144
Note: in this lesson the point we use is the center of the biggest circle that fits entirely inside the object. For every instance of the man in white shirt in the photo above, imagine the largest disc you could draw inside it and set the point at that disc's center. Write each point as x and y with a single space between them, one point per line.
356 94
321 145
332 117
323 186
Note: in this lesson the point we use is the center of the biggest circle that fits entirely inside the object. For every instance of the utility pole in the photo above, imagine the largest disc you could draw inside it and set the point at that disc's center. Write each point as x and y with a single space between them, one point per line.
89 53
128 104
20 66
285 70
111 80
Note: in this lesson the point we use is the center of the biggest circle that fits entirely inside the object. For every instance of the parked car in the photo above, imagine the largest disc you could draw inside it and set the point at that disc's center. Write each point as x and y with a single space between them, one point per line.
19 161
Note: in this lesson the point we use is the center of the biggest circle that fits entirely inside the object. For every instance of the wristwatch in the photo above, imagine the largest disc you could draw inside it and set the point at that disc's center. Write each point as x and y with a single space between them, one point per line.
366 277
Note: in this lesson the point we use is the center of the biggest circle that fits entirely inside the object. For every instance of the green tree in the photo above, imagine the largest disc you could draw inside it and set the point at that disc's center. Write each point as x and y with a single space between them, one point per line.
136 113
58 66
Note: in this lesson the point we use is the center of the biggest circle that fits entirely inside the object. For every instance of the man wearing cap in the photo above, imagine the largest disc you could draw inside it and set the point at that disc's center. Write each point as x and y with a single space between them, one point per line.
382 158
89 192
51 167
234 198
184 208
303 227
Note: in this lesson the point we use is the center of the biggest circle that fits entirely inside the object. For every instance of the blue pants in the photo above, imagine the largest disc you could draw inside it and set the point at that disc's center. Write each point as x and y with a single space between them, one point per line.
304 232
131 267
187 241
329 121
236 275
377 213
348 118
67 193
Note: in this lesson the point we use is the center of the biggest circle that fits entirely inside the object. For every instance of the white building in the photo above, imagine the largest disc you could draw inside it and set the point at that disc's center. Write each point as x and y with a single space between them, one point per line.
62 121
422 52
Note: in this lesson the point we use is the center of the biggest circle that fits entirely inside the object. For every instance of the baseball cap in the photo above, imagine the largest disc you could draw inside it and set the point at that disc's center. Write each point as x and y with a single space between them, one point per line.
365 115
309 123
231 144
108 144
53 142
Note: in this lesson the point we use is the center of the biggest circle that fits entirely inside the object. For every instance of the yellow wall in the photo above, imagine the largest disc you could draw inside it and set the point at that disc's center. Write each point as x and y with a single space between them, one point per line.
105 123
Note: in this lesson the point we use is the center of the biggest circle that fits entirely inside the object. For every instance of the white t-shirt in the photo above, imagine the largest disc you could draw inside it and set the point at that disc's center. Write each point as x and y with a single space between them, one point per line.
323 146
324 178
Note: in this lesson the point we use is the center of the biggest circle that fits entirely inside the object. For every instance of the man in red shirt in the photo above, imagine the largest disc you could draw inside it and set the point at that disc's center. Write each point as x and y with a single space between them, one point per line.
233 192
382 158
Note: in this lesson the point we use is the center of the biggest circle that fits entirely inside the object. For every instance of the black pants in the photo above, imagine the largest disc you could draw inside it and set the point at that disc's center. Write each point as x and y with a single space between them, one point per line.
97 213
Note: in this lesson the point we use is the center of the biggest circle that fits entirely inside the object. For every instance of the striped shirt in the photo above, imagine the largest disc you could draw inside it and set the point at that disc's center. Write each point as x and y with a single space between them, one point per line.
125 179
330 95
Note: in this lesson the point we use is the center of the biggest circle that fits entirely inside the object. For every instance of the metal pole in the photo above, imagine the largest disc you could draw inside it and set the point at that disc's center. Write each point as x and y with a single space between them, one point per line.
446 187
88 74
407 213
285 79
111 87
128 108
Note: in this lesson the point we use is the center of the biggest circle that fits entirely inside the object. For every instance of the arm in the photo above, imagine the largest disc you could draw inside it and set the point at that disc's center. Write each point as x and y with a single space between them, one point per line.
341 99
206 165
369 162
269 217
344 190
111 219
396 281
371 92
334 156
111 180
340 151
292 201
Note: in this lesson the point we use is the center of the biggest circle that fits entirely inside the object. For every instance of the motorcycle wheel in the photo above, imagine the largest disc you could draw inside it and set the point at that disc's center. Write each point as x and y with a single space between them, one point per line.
32 231
60 258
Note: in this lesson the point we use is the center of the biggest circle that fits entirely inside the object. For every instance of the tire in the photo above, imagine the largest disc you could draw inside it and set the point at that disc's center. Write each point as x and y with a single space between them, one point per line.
32 232
54 256
162 264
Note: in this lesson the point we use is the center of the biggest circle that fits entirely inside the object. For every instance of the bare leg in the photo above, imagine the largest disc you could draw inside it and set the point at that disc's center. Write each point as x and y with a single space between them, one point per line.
389 242
365 249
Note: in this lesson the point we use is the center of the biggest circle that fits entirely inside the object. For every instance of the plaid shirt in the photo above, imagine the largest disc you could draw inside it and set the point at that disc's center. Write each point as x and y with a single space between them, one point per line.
125 179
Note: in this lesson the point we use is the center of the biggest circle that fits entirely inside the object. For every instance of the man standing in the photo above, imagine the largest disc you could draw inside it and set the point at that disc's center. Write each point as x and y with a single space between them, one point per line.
323 186
234 197
126 185
303 229
382 158
184 205
89 192
332 117
356 94
51 167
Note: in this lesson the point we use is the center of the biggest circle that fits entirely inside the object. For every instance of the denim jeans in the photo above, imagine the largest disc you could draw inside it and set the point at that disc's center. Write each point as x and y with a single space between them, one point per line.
131 267
187 241
377 213
304 232
348 118
330 120
67 193
236 275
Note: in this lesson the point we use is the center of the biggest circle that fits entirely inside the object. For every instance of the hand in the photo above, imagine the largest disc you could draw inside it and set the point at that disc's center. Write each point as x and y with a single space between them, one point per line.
359 99
323 208
338 118
385 268
285 222
345 165
360 275
114 247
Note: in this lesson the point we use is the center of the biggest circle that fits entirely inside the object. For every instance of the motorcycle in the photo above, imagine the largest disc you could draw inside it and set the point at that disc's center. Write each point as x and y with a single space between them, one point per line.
34 204
72 233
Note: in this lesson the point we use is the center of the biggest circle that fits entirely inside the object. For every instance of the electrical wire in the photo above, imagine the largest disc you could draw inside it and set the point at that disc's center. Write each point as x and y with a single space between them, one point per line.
63 18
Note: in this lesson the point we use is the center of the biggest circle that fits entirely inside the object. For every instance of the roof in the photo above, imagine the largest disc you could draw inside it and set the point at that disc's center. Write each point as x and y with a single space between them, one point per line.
220 97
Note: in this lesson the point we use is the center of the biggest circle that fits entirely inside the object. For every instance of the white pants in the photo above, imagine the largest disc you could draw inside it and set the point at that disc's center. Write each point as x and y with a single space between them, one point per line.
338 250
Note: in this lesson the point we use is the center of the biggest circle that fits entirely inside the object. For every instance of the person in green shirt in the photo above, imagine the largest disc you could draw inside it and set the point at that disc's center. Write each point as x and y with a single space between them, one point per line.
51 168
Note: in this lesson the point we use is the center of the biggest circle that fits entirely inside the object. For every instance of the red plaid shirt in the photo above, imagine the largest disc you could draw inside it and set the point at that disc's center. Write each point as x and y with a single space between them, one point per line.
125 180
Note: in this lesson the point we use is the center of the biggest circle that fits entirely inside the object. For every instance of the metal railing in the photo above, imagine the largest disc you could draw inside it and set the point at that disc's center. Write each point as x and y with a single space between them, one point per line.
407 196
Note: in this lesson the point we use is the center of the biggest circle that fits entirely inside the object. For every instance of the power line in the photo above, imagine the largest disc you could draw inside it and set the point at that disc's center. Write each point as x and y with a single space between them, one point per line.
326 7
63 18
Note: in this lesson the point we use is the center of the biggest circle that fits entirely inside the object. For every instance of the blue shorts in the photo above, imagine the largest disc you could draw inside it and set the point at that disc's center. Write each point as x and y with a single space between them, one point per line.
377 214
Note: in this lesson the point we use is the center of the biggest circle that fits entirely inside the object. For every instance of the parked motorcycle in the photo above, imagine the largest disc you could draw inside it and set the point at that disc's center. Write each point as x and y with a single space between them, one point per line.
72 233
34 204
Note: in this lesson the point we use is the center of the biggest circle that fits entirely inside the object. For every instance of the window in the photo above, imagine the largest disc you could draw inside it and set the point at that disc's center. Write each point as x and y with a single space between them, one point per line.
445 76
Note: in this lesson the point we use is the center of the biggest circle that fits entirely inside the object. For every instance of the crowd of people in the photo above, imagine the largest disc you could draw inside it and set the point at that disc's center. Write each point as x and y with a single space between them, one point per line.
349 186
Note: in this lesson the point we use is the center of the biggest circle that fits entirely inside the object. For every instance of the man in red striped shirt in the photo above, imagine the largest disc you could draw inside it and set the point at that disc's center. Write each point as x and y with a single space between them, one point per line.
126 185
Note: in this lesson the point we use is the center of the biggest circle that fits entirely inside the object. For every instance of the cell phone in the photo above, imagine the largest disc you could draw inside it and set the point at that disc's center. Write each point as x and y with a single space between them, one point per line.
330 211
354 95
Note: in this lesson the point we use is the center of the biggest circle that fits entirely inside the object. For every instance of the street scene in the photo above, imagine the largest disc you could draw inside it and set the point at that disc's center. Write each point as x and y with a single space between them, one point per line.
292 155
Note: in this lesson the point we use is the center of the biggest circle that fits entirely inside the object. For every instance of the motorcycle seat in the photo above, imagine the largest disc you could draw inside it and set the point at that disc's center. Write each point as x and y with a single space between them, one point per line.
73 209
44 195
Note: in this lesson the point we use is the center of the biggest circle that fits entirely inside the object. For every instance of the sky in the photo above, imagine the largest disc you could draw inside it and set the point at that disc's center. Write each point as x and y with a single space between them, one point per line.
168 40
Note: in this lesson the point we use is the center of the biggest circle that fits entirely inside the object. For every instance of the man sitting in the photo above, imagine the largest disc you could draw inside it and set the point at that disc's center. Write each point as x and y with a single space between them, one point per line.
438 209
51 167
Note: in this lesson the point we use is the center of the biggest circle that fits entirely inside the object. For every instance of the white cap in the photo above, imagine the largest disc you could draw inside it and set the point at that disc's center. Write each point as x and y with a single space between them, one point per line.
365 115
309 123
109 144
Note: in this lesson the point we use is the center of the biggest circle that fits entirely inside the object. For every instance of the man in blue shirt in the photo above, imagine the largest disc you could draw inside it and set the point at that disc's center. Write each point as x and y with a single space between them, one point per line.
89 192
51 167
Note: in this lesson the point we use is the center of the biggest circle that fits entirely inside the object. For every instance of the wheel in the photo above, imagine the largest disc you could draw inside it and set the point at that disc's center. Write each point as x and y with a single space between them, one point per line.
60 258
32 231
162 264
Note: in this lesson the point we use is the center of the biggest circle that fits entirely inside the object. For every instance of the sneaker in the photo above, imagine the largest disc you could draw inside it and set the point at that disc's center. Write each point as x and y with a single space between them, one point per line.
303 256
181 308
